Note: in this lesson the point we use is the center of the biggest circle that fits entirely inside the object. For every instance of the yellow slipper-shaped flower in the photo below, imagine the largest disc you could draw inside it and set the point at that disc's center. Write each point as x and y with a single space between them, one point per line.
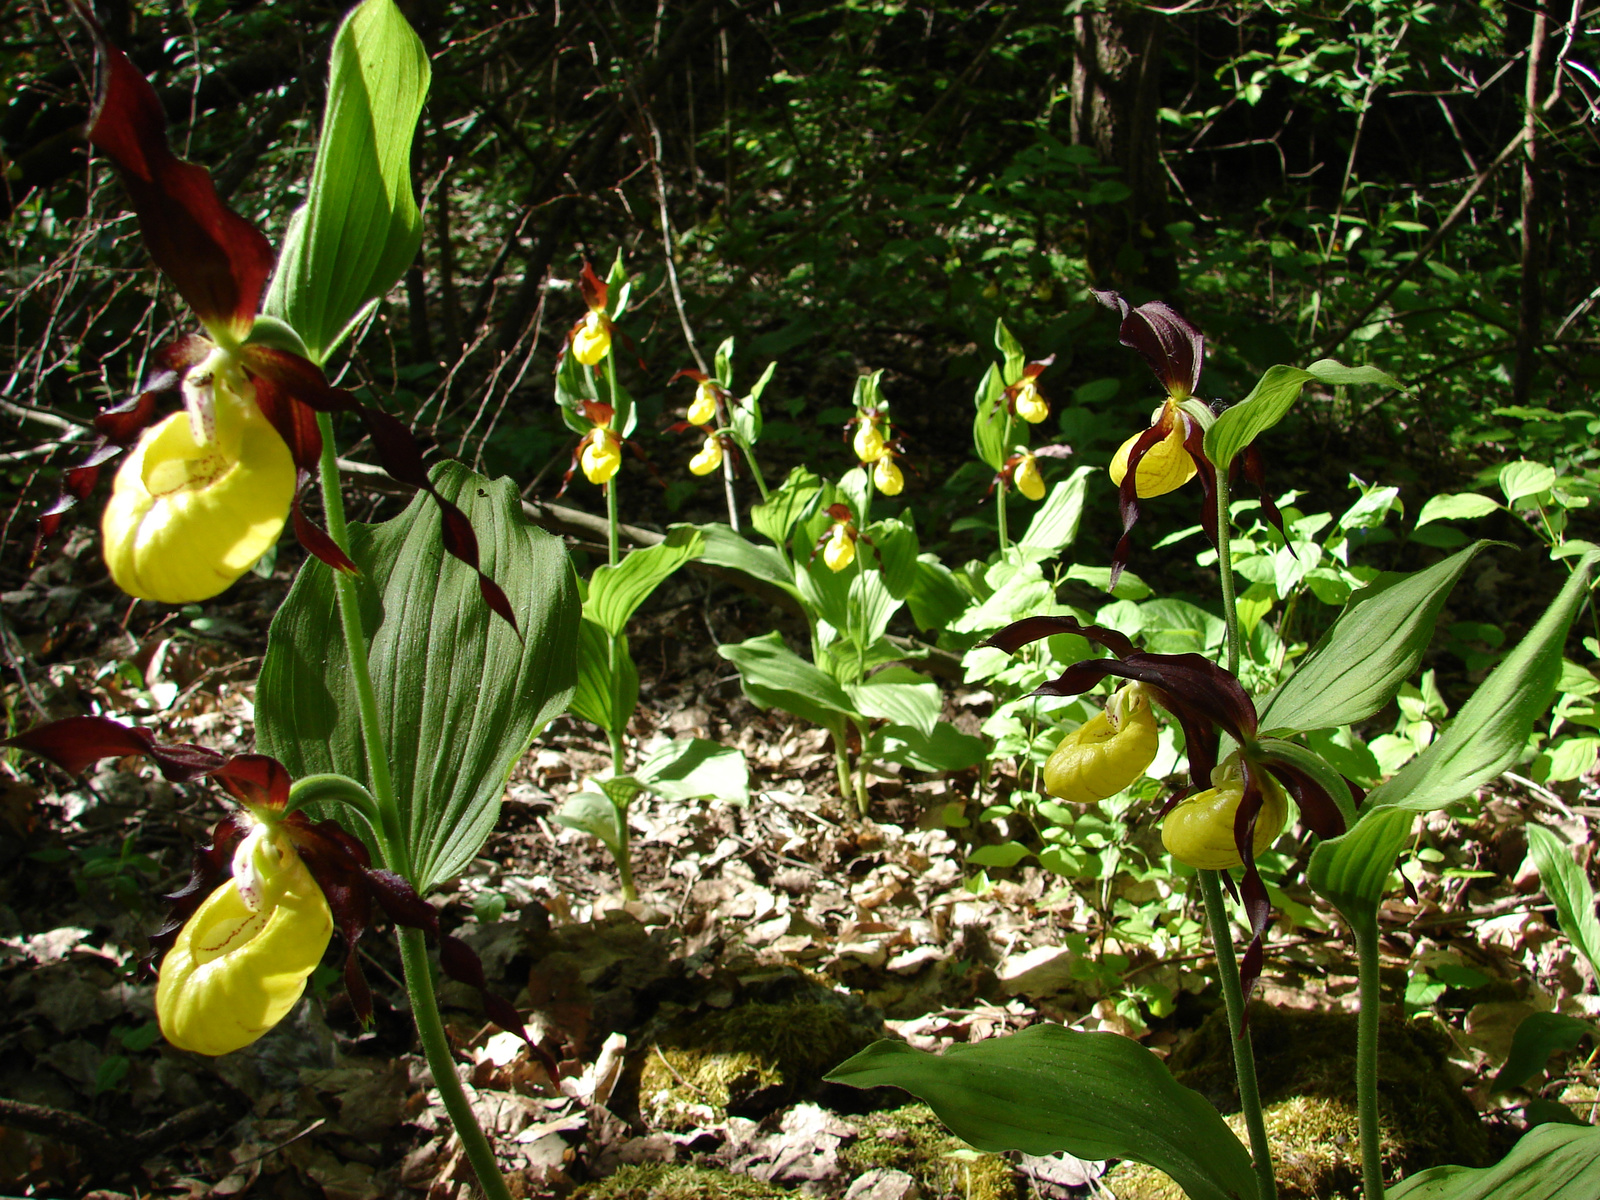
187 517
241 962
1107 752
1199 831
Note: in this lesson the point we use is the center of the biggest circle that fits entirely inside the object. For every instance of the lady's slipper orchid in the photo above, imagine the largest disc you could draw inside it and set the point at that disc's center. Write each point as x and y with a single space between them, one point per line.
590 338
263 897
868 442
1207 701
1167 465
887 476
1027 477
1107 752
709 457
840 551
181 526
1023 397
241 962
1199 828
601 454
703 409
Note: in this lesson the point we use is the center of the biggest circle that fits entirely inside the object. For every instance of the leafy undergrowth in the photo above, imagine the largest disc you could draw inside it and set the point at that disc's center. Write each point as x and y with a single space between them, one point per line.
769 943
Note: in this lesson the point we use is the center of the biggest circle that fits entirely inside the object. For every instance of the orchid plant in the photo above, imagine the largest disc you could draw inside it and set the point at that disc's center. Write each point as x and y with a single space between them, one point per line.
1100 1095
397 693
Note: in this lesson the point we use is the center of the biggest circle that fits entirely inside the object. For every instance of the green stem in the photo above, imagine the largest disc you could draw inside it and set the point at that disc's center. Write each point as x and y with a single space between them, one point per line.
341 789
1367 1062
755 468
425 1013
1244 1061
841 766
613 547
1000 489
624 856
392 843
1230 608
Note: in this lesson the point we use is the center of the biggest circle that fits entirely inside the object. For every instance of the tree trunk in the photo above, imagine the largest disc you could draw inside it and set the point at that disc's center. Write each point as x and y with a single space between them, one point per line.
1116 97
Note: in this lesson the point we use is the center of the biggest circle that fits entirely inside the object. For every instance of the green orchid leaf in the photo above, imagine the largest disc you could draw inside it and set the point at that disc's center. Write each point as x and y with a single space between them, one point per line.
1050 1089
1003 854
697 769
872 604
827 592
459 696
946 748
360 228
1489 732
1550 1162
990 419
1568 887
935 598
1055 526
1538 1036
1351 871
1005 342
900 695
894 544
1271 398
774 676
722 547
615 593
1375 645
608 679
594 813
722 364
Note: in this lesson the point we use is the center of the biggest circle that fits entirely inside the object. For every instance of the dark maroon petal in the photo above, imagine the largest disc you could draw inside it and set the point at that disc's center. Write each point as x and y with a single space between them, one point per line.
400 902
1036 368
1317 806
1194 442
217 260
690 373
314 538
76 742
1250 464
1128 493
185 762
256 781
1173 348
595 291
1250 973
1031 629
355 985
209 866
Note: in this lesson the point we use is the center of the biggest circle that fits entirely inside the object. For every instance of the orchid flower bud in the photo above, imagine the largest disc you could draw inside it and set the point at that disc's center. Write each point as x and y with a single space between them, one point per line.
1199 830
1028 404
1027 478
241 962
840 551
868 442
602 454
709 458
1165 467
1107 752
592 342
199 499
703 410
887 477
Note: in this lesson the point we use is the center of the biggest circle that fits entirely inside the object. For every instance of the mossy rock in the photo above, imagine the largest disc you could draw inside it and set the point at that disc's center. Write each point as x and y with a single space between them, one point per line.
1426 1119
745 1061
912 1139
1315 1150
669 1181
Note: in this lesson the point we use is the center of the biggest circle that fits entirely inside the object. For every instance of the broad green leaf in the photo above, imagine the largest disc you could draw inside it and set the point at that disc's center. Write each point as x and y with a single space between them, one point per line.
1178 627
1539 1036
774 676
459 696
1024 593
1551 1162
872 605
990 419
785 505
1050 1089
900 695
1568 758
1374 646
935 598
1489 732
1568 888
695 768
894 544
1055 525
608 687
1270 399
360 228
1455 506
1006 854
945 749
1005 342
1129 587
595 814
1350 871
722 547
615 593
1524 478
827 592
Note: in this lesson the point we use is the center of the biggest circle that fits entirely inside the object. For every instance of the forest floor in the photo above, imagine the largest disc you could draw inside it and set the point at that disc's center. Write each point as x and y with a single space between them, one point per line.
769 943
